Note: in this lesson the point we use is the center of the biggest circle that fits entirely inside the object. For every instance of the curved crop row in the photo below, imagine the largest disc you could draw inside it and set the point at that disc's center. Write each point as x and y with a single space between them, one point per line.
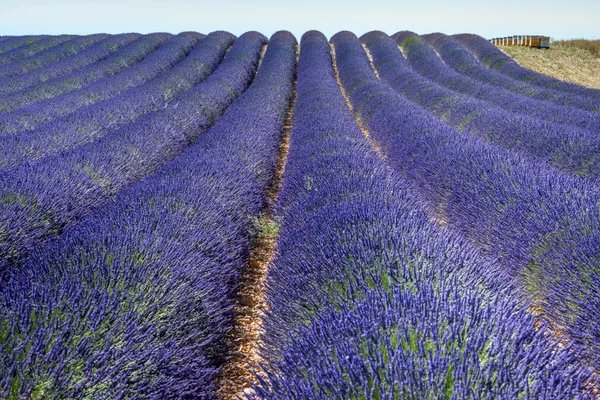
48 90
50 55
92 54
30 49
541 224
144 289
135 64
93 122
574 150
424 60
13 42
458 57
39 199
493 58
369 299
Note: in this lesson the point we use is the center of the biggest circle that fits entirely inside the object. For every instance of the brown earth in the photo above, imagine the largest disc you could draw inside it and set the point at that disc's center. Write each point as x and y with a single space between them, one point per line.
238 374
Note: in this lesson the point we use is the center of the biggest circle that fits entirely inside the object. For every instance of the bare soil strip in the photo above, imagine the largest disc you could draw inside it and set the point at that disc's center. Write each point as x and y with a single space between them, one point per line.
357 117
238 374
437 219
261 56
591 387
370 57
402 51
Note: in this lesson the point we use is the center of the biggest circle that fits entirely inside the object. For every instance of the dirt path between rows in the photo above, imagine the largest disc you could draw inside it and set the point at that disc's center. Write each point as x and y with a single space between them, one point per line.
239 373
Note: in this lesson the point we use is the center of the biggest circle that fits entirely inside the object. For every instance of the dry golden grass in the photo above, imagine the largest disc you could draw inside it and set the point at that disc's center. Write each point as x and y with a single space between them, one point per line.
565 60
593 46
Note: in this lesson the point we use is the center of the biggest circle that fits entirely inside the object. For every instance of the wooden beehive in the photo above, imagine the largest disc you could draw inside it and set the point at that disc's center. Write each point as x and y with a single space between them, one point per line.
522 40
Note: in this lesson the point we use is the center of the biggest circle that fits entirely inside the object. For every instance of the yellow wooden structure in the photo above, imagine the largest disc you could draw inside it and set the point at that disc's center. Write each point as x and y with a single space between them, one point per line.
523 40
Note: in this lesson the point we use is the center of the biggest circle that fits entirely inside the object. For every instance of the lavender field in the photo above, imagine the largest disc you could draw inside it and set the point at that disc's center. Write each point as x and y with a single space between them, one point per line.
205 216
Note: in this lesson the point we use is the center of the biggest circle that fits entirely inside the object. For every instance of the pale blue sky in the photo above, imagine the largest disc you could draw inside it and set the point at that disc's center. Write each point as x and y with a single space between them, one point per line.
559 19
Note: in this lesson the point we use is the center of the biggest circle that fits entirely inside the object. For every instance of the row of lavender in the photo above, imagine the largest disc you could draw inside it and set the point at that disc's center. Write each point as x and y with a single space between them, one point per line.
461 60
363 277
448 73
496 60
51 55
94 53
572 149
135 300
135 64
367 296
41 198
16 96
541 224
19 49
146 87
17 43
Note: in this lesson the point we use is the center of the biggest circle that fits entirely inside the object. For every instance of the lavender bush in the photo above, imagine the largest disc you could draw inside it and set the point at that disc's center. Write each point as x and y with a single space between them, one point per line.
83 58
39 199
91 123
135 64
490 56
458 57
13 42
572 149
30 48
52 54
424 60
11 101
541 225
141 292
370 299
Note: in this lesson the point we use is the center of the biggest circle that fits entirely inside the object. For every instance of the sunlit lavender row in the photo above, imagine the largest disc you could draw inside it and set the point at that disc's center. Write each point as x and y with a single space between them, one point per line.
432 209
